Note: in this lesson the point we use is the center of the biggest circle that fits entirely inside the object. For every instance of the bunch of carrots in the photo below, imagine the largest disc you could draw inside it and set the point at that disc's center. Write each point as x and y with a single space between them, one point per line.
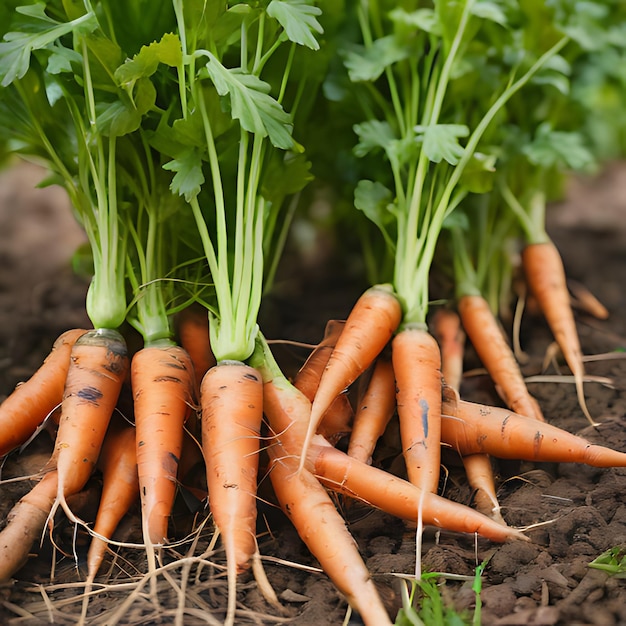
185 136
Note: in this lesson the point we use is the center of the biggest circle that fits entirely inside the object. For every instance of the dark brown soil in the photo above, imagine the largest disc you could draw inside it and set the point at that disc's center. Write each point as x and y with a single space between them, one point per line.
577 512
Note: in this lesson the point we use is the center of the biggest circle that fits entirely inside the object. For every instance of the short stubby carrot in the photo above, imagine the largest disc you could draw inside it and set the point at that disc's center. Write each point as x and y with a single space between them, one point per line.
369 327
98 368
374 411
545 275
417 366
32 401
232 410
496 355
25 523
120 489
350 477
162 379
447 330
472 428
193 335
320 526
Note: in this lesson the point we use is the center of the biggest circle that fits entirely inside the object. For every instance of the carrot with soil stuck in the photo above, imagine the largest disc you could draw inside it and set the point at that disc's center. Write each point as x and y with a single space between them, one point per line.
545 275
162 380
27 407
496 355
232 410
98 367
369 327
417 366
375 410
470 428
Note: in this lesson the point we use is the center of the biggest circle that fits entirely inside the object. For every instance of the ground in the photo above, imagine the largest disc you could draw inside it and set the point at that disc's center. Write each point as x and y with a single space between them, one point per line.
577 512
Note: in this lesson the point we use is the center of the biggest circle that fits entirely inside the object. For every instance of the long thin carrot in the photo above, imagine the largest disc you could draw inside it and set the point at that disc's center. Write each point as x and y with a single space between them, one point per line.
25 523
417 366
323 530
374 411
120 488
447 330
99 364
545 275
496 355
193 334
232 410
478 469
469 428
369 327
32 401
162 379
337 471
337 420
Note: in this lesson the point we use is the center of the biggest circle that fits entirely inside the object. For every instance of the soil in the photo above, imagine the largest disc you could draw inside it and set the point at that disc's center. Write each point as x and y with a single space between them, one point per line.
575 512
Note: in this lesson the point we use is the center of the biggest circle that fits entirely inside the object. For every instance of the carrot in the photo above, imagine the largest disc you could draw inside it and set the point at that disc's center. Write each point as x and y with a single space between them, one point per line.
336 422
162 379
341 473
120 488
368 329
31 402
545 275
374 411
193 335
26 522
480 478
417 366
232 410
323 530
496 355
99 364
586 301
470 428
447 331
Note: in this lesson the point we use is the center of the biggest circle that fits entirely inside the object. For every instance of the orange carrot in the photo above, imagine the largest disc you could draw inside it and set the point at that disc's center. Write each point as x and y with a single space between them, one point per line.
232 410
368 329
586 301
470 428
480 478
31 402
398 497
545 275
25 523
336 422
120 488
99 364
323 530
417 366
374 411
447 331
162 381
193 335
496 355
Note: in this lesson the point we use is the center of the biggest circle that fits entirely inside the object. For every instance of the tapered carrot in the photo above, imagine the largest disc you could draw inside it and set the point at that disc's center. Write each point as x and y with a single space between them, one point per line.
25 523
32 401
336 422
323 530
448 332
417 366
374 411
470 428
162 379
496 355
478 469
369 327
586 301
120 488
545 275
232 410
99 364
193 335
